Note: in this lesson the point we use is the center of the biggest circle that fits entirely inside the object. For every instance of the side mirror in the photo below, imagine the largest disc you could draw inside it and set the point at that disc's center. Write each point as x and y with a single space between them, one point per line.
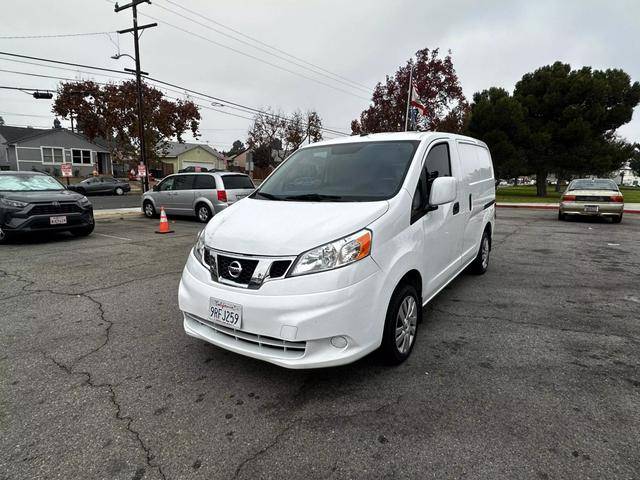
443 190
155 188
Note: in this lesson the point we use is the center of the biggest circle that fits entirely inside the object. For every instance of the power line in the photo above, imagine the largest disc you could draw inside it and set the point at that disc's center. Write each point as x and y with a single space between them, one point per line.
330 76
162 82
61 35
266 44
253 57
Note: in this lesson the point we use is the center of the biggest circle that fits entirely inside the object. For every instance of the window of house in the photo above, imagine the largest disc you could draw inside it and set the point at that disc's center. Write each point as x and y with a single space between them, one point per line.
81 157
52 155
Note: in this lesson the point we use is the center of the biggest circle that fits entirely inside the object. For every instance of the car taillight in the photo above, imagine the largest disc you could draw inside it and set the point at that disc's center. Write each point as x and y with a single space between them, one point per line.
568 198
222 195
617 198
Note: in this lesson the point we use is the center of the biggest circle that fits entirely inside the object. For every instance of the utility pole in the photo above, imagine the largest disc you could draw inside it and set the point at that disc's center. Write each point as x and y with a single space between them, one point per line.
136 37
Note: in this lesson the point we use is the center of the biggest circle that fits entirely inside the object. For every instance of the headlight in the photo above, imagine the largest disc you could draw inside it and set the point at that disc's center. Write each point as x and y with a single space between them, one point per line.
198 248
335 254
12 203
84 201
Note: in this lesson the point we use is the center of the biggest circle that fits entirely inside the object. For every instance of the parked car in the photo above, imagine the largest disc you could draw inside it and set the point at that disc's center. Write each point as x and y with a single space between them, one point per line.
598 197
36 202
101 185
202 195
195 169
338 250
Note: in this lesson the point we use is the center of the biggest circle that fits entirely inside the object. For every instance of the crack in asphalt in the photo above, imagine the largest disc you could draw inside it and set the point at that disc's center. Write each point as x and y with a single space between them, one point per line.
128 421
535 324
301 393
24 291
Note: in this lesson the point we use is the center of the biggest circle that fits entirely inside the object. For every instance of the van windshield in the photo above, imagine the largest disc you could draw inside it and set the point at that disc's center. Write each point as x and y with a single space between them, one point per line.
349 172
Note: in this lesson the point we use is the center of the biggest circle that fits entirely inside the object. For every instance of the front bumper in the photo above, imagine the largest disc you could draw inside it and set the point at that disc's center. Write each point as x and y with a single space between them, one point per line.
292 330
41 223
604 208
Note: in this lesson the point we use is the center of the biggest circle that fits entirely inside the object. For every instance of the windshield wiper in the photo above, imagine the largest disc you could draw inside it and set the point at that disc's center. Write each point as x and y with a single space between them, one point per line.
268 196
313 197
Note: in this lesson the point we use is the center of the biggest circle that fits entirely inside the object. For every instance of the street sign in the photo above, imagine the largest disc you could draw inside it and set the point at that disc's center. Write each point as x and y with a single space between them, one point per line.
142 170
65 168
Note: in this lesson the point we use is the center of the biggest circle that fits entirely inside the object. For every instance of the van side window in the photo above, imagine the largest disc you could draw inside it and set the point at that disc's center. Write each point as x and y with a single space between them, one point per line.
419 197
205 182
183 182
167 184
438 162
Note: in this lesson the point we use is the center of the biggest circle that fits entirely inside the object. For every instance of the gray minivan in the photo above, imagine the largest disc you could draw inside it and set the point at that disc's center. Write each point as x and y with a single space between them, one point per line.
197 194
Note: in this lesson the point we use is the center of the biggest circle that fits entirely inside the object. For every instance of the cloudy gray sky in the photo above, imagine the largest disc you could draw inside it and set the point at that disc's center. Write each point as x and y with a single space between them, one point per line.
492 42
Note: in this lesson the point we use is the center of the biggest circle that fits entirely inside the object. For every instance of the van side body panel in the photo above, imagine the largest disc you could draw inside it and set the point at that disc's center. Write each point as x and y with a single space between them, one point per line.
479 187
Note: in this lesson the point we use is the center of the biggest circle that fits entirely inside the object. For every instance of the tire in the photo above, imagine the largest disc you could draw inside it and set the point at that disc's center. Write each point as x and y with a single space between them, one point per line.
481 262
401 325
617 219
561 216
119 191
4 236
148 209
84 231
203 213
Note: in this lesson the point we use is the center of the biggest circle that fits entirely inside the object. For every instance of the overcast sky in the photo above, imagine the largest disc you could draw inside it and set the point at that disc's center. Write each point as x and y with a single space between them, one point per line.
492 42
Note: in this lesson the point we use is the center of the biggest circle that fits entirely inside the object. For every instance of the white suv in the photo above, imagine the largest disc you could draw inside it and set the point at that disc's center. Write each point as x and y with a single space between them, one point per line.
336 253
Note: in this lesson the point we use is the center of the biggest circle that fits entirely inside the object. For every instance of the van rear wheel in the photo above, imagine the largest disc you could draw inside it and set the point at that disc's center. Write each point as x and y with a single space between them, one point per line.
401 325
481 262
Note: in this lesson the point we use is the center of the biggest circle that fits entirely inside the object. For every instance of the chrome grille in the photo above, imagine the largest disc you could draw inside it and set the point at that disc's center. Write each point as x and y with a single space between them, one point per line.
255 270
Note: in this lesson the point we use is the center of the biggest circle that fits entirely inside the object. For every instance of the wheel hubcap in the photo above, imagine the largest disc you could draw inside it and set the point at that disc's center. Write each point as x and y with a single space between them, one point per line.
406 322
485 252
204 214
149 210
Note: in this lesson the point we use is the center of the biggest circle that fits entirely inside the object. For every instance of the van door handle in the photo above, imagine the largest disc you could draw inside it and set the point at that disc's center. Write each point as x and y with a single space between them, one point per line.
456 208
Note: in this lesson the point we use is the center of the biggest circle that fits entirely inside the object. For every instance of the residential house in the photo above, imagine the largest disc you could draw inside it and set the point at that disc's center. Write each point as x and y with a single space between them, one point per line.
46 149
243 162
626 176
183 155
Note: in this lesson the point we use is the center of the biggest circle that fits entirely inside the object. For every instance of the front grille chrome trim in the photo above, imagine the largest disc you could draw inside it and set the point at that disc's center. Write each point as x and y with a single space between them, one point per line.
260 273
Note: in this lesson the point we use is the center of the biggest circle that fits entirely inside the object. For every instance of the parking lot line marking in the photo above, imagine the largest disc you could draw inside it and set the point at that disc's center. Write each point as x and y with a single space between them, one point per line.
112 236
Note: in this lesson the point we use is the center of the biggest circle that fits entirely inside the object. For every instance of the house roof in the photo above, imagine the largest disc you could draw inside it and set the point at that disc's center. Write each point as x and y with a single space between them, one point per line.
175 149
13 134
17 134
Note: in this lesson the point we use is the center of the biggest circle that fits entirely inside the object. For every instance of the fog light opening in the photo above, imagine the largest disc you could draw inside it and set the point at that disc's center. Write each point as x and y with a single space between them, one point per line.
339 342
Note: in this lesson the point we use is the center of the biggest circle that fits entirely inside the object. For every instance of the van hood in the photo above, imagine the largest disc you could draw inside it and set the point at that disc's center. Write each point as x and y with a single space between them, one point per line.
283 228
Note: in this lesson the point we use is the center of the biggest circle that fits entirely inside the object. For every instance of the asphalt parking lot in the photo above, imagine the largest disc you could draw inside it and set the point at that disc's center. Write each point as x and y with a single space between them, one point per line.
531 371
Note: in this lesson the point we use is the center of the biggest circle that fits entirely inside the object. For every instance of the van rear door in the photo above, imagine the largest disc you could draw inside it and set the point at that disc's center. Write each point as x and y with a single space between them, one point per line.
237 186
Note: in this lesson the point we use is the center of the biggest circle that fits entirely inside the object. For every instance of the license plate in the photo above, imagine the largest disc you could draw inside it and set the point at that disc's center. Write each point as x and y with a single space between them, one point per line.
225 313
57 220
591 208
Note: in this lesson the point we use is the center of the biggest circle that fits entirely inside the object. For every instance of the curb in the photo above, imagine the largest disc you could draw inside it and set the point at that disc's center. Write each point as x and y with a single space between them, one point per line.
546 207
117 213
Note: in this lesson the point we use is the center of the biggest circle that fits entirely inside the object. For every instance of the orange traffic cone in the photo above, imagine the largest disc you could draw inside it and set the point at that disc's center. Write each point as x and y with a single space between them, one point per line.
164 223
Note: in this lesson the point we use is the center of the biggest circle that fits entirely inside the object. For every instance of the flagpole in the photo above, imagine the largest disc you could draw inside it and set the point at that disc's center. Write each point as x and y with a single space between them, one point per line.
406 119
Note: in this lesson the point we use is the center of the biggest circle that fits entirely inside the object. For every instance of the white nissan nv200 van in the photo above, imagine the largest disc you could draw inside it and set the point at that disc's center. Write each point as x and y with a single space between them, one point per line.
335 254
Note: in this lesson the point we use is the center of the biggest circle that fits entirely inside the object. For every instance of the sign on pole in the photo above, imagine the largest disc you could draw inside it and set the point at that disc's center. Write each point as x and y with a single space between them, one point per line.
142 170
65 168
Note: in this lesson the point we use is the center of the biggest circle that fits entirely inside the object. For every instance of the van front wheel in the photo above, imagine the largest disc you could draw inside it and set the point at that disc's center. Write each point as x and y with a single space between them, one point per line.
401 325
